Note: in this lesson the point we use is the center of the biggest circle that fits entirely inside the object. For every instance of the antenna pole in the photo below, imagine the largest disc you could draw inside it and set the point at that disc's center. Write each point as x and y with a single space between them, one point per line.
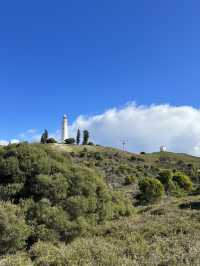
123 145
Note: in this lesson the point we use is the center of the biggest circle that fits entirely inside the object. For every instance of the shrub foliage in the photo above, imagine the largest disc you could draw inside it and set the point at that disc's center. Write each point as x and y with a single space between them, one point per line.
151 189
53 199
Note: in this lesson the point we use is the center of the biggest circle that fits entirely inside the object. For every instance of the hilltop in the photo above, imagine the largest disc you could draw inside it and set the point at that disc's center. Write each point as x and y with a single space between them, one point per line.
93 205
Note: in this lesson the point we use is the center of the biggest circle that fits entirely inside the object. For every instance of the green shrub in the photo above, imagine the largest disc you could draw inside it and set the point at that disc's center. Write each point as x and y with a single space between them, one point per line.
151 189
9 170
95 251
87 186
13 230
57 199
166 178
129 180
183 181
124 169
53 187
70 141
82 251
10 191
32 160
121 205
19 259
98 156
47 254
51 223
51 140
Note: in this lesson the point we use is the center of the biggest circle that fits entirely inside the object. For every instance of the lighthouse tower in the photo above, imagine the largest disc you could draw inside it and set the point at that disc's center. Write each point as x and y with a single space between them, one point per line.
64 129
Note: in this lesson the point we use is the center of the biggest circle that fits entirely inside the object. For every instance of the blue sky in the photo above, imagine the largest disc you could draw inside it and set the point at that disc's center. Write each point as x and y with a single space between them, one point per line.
84 57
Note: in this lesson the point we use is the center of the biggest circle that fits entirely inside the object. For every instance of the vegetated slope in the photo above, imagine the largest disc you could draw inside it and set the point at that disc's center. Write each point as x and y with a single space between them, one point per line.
82 205
46 197
116 165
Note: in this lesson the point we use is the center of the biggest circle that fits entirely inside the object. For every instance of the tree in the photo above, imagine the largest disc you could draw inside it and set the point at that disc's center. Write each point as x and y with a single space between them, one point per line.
78 137
86 137
44 137
70 141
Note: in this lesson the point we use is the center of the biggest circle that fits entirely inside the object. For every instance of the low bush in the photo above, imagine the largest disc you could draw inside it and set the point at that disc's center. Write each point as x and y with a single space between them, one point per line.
70 141
183 181
46 253
19 259
121 205
129 180
51 140
53 187
166 178
151 189
98 156
14 231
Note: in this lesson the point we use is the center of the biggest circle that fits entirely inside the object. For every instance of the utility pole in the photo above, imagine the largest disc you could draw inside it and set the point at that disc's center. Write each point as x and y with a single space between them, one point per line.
123 145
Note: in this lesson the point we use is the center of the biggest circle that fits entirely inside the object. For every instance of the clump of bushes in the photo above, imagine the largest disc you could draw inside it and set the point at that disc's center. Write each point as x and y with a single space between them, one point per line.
13 229
121 205
91 251
98 156
51 140
174 182
18 259
183 181
166 178
151 189
55 200
70 141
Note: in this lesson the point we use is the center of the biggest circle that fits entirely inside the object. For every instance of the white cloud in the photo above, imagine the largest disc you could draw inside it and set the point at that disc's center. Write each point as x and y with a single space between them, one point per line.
145 128
3 142
6 142
14 141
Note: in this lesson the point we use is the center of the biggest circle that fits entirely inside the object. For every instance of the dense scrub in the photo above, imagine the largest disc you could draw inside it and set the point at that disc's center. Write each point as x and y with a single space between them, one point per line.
119 167
60 207
46 197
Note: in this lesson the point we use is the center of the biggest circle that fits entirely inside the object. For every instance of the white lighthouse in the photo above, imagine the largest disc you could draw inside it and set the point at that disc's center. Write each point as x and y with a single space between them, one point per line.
64 129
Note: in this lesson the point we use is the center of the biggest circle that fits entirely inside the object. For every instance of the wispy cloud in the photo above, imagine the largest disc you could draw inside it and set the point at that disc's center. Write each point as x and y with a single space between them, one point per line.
29 135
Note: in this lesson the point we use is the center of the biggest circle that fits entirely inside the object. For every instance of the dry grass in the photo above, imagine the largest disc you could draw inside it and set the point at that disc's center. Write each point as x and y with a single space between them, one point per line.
163 234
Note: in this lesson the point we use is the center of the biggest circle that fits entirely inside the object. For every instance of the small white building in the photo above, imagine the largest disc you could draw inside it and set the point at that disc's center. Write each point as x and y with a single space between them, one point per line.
163 148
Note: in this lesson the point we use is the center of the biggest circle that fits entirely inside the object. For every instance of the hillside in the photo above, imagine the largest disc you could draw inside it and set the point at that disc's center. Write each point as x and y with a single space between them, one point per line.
91 205
115 165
